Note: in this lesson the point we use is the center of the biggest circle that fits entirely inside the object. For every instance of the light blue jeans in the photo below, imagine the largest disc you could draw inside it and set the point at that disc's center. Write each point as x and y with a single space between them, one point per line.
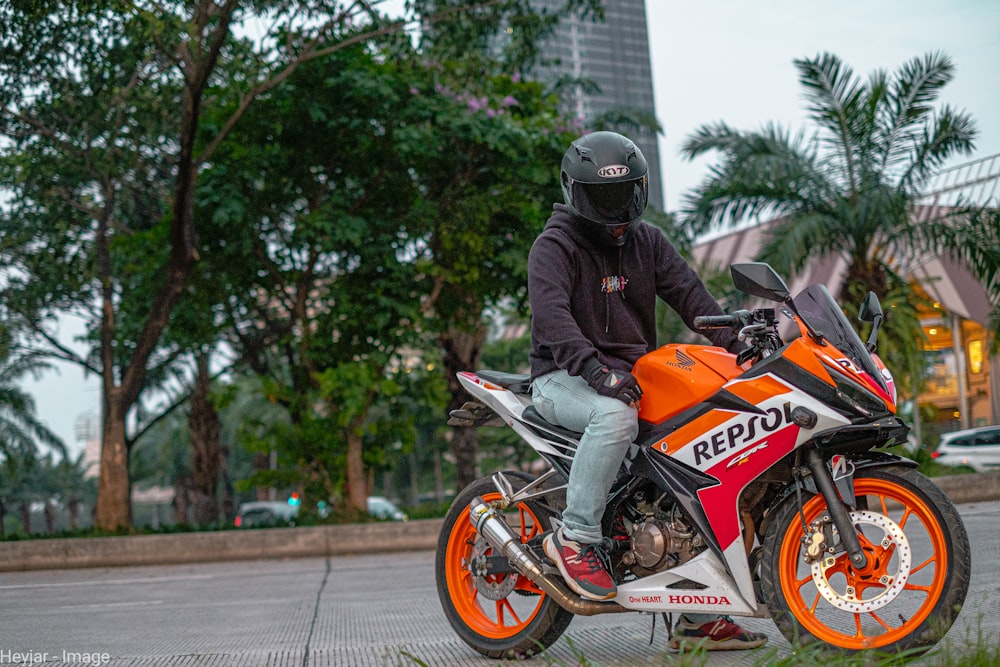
608 426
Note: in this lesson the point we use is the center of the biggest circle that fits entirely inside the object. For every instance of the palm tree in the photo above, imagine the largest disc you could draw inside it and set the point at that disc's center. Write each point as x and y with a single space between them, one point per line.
20 429
847 190
71 486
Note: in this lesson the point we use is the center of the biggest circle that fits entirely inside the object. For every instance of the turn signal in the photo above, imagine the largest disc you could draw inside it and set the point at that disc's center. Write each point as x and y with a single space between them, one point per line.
804 417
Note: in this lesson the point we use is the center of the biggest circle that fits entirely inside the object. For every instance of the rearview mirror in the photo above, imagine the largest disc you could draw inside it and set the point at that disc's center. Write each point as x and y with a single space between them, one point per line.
759 279
870 308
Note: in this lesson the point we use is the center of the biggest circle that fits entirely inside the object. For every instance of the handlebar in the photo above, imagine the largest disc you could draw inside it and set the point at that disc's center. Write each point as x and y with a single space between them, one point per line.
757 328
715 321
721 321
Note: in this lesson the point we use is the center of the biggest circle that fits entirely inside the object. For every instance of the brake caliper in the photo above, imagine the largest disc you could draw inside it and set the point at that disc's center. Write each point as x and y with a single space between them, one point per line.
819 540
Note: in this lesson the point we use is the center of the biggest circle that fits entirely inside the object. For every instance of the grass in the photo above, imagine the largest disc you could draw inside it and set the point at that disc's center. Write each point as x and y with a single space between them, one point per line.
975 650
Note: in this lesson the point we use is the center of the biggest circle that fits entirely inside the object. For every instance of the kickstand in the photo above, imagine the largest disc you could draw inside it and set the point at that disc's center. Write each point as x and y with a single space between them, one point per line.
668 620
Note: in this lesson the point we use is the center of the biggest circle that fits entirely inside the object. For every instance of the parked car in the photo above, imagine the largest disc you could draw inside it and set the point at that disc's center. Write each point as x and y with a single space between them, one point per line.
262 513
383 508
978 448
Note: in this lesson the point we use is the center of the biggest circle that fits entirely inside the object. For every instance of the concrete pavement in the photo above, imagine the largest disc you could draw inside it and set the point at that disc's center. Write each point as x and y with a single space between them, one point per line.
370 610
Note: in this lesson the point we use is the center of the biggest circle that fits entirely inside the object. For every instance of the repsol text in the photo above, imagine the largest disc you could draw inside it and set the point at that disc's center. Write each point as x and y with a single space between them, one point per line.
725 439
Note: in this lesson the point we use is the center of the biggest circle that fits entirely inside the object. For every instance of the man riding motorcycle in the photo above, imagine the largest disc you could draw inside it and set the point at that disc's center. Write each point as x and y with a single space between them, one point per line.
593 277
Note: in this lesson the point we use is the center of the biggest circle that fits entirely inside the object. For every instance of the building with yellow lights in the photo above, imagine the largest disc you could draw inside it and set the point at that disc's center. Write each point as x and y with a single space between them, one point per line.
962 387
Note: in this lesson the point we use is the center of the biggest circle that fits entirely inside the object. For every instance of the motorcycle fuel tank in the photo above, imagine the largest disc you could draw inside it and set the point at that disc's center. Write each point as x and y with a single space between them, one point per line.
675 377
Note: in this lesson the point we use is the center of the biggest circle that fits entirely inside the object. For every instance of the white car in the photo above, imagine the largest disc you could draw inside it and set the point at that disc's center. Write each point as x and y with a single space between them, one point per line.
978 448
383 508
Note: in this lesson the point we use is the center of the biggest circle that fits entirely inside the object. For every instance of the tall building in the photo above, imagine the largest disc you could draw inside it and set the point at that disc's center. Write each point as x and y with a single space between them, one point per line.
613 56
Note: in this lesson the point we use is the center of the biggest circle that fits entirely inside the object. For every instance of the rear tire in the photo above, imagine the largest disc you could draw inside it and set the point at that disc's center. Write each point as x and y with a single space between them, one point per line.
503 615
910 592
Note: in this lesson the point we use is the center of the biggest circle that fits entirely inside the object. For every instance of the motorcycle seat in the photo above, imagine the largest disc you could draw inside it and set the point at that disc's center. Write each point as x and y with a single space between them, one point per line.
519 383
532 416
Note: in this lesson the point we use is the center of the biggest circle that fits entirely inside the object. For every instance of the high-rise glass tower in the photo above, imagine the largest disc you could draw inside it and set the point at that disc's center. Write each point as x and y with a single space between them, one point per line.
613 55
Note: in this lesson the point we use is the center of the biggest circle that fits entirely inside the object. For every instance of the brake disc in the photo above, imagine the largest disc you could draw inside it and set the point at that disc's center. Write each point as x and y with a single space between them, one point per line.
847 598
490 586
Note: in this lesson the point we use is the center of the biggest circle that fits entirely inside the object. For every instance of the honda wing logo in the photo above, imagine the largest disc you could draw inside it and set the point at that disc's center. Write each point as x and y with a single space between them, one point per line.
684 362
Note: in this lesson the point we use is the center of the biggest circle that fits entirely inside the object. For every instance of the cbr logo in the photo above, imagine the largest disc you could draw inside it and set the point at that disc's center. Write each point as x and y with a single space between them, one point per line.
740 459
613 170
741 433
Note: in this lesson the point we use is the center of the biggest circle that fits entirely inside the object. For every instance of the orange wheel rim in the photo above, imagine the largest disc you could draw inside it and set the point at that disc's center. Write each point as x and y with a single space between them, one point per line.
493 618
927 572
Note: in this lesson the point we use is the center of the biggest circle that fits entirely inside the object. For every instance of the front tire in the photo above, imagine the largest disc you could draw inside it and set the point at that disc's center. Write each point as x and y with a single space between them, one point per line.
908 595
503 615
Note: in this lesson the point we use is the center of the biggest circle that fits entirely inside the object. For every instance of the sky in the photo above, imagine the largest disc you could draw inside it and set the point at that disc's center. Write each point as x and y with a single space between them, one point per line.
732 60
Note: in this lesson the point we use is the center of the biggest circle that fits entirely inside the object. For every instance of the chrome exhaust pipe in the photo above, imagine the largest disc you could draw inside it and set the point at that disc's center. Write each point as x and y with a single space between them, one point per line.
491 526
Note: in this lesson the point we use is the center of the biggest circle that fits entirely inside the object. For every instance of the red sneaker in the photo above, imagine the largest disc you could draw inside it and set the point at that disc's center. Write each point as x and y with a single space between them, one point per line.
718 635
581 565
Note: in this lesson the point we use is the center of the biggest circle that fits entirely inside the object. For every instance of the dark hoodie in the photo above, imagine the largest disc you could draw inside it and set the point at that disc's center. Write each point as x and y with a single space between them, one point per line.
591 299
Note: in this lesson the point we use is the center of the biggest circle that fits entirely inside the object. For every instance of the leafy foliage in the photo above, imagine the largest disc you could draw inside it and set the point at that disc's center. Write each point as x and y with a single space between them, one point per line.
271 175
848 190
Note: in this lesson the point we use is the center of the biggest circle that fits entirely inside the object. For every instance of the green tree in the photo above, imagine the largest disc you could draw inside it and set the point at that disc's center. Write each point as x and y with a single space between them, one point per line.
20 478
848 190
20 429
21 433
71 487
486 160
104 107
304 203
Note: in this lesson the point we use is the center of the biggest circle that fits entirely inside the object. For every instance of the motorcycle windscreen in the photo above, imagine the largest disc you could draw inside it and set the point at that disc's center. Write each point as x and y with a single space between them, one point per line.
817 307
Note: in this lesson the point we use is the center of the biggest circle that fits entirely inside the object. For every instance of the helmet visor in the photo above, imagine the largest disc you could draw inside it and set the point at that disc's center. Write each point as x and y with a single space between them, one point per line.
610 203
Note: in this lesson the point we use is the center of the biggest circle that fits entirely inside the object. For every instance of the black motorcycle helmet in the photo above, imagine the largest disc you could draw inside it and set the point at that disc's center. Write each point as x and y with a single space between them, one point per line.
605 182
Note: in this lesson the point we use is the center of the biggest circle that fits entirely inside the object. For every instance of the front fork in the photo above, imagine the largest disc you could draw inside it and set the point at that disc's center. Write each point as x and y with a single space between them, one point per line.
838 512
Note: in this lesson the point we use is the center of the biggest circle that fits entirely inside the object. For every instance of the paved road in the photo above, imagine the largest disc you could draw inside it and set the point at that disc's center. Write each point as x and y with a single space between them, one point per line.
375 610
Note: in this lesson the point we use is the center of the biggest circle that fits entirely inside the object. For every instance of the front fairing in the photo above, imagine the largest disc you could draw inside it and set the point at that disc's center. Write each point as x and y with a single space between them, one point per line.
816 306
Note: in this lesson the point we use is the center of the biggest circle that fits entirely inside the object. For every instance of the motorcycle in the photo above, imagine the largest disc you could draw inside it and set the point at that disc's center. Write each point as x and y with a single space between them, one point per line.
760 485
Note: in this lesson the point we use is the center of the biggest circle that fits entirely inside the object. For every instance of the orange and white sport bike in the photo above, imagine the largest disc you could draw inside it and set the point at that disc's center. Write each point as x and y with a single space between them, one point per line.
759 486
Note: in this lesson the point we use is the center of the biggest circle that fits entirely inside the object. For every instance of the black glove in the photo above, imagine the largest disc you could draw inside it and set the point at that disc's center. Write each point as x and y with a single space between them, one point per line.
613 383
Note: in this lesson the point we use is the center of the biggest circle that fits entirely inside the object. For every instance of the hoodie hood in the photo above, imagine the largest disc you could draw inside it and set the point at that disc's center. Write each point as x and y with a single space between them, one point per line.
589 234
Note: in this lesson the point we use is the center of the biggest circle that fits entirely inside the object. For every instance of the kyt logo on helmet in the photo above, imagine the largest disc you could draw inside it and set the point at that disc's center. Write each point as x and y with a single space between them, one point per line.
613 171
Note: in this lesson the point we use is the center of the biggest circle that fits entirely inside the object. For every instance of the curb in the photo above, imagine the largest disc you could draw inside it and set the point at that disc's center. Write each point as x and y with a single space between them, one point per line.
312 541
223 545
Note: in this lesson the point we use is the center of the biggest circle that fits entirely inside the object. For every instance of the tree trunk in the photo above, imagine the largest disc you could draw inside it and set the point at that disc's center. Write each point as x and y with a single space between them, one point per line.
50 517
461 350
414 479
182 497
114 505
26 516
206 459
438 479
74 513
357 484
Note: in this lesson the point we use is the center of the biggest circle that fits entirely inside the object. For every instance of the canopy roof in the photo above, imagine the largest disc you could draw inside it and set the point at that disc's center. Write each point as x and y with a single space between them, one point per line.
942 277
